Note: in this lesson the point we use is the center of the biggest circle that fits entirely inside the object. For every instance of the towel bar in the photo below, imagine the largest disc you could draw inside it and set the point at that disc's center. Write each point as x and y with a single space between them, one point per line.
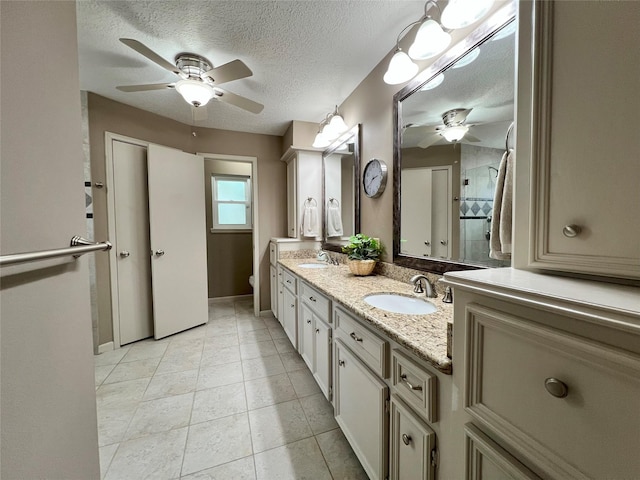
78 246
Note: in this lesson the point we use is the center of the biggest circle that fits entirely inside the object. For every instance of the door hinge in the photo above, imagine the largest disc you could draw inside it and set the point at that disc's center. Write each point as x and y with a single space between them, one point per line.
435 456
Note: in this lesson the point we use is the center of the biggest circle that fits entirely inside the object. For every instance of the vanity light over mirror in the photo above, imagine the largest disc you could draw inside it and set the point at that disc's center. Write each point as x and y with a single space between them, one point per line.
341 190
450 133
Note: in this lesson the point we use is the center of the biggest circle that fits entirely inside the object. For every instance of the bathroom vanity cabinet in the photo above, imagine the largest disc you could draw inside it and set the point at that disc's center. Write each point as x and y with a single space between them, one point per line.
290 306
577 185
547 364
304 184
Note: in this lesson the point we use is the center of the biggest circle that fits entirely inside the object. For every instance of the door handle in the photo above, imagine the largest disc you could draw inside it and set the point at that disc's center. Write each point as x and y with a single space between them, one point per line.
124 254
159 253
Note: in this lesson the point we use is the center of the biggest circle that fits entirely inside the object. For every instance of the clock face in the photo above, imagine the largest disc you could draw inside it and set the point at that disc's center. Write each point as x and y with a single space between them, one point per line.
375 178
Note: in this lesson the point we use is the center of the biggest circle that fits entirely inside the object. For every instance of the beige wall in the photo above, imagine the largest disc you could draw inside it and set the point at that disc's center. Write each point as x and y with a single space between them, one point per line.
229 254
48 410
109 116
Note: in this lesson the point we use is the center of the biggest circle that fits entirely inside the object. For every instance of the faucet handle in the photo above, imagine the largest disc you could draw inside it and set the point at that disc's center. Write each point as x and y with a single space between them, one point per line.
417 288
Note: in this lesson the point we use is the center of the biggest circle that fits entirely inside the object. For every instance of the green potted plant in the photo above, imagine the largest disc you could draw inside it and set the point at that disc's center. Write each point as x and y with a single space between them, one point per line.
363 253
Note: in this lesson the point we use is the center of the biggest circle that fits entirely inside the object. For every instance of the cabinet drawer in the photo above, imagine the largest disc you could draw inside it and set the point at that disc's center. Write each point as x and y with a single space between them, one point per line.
316 301
373 350
412 444
486 460
272 253
290 281
414 385
543 389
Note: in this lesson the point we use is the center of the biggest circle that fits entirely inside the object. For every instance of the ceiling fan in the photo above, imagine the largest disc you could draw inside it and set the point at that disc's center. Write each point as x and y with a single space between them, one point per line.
199 80
453 130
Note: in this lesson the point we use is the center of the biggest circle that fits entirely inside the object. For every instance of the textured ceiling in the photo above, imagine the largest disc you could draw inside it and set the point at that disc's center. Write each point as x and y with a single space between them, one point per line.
306 56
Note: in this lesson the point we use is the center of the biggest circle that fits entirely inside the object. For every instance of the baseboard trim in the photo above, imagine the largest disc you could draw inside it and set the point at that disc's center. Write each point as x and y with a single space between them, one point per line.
105 347
232 297
266 313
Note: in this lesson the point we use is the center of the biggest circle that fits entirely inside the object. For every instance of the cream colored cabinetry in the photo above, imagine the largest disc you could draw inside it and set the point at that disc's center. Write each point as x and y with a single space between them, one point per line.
361 409
280 306
304 183
274 286
315 337
576 182
290 306
550 364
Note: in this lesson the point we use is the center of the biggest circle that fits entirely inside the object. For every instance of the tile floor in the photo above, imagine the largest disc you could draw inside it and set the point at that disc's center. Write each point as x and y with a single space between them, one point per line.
229 400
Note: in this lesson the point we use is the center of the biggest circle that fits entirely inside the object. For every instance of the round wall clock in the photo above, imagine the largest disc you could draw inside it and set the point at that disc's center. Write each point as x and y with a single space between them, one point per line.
374 179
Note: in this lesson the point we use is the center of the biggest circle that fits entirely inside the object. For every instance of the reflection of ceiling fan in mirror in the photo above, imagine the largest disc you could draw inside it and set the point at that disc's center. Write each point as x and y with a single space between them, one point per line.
199 80
453 130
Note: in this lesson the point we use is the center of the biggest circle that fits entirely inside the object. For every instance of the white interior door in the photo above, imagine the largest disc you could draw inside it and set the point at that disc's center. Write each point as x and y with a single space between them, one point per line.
131 242
415 212
441 212
178 240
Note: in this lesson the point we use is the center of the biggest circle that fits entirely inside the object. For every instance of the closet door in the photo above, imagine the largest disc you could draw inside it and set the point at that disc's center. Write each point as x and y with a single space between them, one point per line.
178 240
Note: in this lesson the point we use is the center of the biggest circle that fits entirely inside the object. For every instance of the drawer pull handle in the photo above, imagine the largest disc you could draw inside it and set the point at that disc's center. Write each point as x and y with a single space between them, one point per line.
355 337
292 305
341 363
556 388
571 231
309 322
289 282
403 377
406 439
312 299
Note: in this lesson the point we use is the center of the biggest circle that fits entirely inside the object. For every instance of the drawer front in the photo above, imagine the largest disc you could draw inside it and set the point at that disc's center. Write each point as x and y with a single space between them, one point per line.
414 385
412 442
543 389
320 304
272 253
373 350
290 281
486 460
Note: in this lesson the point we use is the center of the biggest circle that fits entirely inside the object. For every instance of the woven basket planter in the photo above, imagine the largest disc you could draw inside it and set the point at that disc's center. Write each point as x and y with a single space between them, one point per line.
361 267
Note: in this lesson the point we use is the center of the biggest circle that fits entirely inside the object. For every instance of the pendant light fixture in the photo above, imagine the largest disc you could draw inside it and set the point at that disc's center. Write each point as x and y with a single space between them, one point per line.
401 68
462 13
195 92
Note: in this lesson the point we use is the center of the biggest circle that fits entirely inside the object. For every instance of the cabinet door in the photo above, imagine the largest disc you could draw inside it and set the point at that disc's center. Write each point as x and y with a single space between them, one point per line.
306 337
292 199
322 360
584 181
274 290
412 442
360 407
290 317
280 315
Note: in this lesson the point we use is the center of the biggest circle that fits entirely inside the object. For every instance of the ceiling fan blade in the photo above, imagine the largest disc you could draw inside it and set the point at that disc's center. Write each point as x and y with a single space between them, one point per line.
150 54
144 88
471 138
229 71
461 116
199 114
238 101
430 140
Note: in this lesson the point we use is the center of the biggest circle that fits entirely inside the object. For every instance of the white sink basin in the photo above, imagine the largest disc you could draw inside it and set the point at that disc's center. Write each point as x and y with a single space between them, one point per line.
395 303
313 265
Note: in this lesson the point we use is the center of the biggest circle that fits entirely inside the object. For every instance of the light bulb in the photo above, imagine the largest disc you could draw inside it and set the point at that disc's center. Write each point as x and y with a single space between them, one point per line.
195 92
455 133
433 83
321 141
401 69
462 13
430 41
337 123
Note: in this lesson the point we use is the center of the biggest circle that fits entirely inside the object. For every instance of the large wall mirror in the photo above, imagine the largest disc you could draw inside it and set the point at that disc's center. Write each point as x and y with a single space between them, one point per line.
341 190
450 133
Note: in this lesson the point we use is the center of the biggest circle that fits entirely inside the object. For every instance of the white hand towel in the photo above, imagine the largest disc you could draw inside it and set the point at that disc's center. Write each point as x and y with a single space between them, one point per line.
502 220
334 220
309 224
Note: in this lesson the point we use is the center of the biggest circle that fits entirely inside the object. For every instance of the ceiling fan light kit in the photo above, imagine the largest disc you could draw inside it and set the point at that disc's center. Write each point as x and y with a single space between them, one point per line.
199 80
431 39
455 133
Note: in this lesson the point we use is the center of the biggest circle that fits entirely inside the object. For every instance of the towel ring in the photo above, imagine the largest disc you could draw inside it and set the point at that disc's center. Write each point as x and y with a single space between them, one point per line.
509 132
334 200
309 200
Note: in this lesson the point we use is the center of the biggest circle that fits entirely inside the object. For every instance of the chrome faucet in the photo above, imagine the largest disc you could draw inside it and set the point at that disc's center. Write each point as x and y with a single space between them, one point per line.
429 290
323 256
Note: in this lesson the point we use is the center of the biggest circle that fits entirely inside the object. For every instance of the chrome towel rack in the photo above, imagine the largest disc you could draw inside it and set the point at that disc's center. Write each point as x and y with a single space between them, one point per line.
78 246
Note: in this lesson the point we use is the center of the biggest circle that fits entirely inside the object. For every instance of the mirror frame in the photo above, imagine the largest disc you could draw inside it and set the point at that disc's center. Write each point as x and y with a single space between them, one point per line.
356 132
480 35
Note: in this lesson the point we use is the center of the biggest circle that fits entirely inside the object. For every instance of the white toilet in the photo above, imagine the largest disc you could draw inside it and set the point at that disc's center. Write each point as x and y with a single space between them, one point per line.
251 281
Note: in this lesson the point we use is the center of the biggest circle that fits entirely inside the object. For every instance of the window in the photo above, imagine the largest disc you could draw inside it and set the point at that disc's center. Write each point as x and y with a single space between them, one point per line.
231 202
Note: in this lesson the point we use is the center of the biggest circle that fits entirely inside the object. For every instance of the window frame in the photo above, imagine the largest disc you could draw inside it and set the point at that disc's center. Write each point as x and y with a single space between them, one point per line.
217 227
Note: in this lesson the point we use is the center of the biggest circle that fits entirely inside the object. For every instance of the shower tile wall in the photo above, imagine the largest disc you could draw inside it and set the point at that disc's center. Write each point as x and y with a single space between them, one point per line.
478 167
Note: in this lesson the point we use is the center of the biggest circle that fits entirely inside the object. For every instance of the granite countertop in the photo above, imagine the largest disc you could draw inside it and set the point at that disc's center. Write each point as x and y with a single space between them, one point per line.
424 335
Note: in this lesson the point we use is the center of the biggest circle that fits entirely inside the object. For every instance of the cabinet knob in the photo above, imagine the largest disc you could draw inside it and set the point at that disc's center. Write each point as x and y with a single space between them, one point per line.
556 387
309 322
292 305
341 363
427 243
571 231
317 330
159 253
406 439
443 242
355 337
